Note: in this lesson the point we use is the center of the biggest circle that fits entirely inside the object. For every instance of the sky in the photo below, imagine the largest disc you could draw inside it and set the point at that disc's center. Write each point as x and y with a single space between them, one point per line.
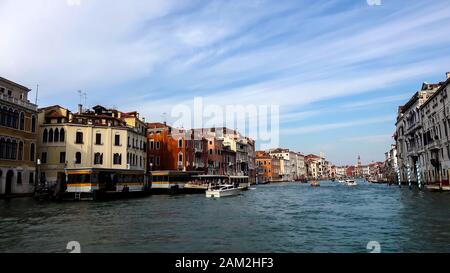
338 70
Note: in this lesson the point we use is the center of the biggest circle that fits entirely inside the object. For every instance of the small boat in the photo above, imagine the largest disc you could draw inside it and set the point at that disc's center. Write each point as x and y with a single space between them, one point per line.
341 181
223 190
315 184
351 182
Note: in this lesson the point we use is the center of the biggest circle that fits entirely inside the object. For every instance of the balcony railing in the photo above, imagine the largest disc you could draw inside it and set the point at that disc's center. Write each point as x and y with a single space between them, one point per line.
22 103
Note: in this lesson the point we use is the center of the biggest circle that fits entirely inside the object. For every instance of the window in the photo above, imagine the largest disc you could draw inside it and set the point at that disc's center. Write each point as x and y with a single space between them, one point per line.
20 155
31 178
78 158
50 135
56 137
98 139
180 157
79 138
152 145
117 159
62 135
44 157
180 143
32 151
22 121
15 120
117 140
19 177
210 151
158 145
62 157
45 136
33 123
98 158
157 161
13 150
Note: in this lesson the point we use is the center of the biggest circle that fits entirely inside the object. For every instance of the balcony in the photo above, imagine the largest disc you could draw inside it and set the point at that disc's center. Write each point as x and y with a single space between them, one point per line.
22 103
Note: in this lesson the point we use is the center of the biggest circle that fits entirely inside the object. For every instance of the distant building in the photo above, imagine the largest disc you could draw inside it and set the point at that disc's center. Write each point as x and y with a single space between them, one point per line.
213 151
268 168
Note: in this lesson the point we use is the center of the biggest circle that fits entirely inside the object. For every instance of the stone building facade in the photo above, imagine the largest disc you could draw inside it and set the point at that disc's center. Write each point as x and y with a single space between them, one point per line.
18 134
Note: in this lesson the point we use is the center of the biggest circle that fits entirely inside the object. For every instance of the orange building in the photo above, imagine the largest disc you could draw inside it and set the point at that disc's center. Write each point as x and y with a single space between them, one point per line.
268 168
174 149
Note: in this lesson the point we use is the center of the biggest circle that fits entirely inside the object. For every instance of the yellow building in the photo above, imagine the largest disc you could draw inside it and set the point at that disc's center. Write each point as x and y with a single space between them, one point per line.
100 138
17 139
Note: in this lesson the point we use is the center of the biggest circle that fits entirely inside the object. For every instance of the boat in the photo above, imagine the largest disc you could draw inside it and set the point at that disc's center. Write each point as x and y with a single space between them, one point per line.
341 181
223 190
437 187
315 184
172 182
351 182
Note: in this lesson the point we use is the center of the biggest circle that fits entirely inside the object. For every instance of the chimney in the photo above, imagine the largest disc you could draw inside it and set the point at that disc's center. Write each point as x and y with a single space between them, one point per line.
80 108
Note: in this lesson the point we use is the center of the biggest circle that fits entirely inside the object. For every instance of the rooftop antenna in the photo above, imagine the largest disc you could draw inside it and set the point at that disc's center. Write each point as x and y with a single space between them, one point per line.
85 99
37 93
81 95
163 115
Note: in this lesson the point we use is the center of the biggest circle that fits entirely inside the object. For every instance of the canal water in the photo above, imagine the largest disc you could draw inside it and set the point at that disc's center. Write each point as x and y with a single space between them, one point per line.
286 217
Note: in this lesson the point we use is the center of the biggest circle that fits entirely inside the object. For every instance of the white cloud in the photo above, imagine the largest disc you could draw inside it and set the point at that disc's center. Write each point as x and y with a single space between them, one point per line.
371 138
337 125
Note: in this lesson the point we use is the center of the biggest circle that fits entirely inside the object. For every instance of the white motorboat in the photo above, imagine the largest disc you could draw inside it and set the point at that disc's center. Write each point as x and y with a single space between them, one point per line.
351 182
223 190
341 181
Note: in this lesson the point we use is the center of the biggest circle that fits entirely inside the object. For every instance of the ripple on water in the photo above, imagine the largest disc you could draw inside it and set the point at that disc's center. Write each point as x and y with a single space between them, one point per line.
285 217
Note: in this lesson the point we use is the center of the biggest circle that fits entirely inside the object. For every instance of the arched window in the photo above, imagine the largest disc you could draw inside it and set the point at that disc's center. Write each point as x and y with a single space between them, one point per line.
180 143
50 135
4 115
15 124
180 157
14 149
20 155
2 148
45 136
8 149
56 137
9 118
78 158
33 123
62 135
117 159
98 158
32 151
79 138
22 121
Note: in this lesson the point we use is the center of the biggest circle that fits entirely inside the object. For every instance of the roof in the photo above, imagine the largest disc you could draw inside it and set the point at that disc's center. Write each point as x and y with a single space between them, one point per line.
15 84
443 86
312 156
154 125
51 106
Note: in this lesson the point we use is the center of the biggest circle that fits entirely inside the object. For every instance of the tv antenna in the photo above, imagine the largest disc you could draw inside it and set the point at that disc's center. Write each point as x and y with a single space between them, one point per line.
82 95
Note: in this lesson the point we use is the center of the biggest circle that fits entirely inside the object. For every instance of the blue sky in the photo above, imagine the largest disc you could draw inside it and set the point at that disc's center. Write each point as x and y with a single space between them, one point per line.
337 69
